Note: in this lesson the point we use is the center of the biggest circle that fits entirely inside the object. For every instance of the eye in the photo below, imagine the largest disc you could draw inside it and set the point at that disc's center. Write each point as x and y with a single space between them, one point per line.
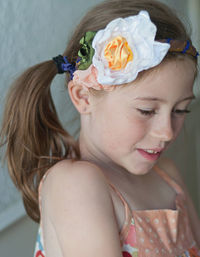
181 112
147 112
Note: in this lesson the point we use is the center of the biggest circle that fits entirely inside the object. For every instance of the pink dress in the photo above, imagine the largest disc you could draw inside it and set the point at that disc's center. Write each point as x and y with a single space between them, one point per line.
150 233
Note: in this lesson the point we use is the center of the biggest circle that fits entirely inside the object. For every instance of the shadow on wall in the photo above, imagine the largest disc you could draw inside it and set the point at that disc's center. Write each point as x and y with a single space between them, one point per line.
184 151
18 240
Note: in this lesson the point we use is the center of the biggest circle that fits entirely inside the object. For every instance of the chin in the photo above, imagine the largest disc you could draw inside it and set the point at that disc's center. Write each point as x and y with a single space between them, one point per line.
141 170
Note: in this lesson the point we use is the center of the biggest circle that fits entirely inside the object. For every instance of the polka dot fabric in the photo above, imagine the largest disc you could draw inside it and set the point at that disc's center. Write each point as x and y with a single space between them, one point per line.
158 233
163 232
151 233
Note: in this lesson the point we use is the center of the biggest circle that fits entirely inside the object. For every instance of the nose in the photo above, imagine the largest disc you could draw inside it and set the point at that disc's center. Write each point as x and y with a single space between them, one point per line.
163 129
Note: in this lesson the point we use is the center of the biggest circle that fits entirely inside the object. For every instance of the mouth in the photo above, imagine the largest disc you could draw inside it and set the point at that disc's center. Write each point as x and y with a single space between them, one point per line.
151 154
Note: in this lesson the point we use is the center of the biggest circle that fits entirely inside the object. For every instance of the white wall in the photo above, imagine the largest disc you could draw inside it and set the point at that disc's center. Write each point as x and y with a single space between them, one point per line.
34 31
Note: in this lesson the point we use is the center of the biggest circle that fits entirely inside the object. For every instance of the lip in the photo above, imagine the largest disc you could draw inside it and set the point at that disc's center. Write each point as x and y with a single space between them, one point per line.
150 157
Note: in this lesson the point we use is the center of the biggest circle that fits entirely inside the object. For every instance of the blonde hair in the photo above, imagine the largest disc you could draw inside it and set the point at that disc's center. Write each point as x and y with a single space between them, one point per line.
34 137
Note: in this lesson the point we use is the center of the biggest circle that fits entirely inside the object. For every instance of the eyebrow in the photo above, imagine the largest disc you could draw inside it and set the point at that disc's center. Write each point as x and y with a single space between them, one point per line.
163 100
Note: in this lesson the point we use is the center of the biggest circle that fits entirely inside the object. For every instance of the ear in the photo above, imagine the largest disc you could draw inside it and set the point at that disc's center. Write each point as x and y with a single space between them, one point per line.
80 97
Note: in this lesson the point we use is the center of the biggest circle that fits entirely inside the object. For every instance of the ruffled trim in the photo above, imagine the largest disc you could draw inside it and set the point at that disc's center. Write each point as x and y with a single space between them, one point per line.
88 79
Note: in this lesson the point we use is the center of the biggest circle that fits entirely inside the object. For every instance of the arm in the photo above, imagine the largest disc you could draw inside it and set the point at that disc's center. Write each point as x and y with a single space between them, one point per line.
168 166
79 205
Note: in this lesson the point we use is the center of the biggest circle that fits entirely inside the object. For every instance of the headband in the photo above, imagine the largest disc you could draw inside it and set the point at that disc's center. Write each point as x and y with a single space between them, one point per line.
115 55
63 65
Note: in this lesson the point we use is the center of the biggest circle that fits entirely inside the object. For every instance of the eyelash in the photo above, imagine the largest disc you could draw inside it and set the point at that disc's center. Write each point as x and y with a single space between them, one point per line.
151 112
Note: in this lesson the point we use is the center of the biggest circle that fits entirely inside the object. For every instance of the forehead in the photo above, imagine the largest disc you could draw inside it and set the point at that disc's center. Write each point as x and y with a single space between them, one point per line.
173 78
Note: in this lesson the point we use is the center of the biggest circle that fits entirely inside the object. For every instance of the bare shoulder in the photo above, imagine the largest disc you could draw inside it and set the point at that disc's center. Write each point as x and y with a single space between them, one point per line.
79 206
170 168
68 180
68 171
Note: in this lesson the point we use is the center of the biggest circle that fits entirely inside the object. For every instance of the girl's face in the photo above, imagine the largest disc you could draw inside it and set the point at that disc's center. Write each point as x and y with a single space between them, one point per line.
147 114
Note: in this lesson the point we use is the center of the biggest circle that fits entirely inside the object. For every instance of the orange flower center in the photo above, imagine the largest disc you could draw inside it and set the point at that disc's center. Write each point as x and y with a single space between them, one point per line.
118 53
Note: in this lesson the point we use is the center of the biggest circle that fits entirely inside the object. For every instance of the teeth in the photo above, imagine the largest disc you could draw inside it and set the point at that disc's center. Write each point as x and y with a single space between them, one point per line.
151 151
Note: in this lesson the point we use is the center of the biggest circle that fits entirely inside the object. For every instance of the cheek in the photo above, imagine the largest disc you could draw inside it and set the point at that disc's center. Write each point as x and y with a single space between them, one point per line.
124 132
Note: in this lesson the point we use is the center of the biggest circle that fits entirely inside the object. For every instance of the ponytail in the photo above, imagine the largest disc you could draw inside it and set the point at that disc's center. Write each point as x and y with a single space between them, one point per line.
33 134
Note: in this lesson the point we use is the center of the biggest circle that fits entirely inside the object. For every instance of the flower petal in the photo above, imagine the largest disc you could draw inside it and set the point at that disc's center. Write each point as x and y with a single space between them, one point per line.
122 63
118 53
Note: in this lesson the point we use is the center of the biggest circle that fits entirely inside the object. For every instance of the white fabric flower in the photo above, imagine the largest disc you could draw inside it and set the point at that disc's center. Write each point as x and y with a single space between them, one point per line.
136 38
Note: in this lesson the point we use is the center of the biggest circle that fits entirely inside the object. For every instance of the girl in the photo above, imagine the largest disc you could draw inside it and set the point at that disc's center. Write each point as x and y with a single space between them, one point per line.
130 69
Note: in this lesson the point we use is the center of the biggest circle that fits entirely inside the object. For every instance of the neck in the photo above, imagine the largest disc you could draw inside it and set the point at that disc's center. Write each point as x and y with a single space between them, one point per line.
111 169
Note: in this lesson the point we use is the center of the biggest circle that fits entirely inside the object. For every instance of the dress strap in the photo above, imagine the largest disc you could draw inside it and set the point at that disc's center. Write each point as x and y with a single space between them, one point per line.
128 213
169 180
